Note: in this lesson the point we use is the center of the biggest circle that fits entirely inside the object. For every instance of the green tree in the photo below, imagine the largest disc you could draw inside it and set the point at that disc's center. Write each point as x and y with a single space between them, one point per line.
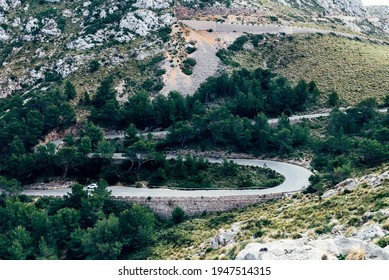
105 109
180 133
131 135
137 226
141 152
103 241
20 244
372 152
92 208
139 110
341 173
85 146
93 132
86 99
63 223
105 149
75 197
68 158
10 187
70 90
34 126
69 140
46 252
17 147
333 99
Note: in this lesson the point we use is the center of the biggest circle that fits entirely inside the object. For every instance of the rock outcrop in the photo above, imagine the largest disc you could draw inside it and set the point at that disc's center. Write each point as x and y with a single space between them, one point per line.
372 180
225 237
306 249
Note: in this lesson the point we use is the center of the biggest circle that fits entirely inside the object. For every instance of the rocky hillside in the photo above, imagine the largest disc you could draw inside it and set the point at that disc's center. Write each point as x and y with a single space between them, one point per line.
348 222
379 15
45 42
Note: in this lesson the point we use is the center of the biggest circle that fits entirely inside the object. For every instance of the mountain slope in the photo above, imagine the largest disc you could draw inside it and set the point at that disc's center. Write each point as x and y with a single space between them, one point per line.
43 43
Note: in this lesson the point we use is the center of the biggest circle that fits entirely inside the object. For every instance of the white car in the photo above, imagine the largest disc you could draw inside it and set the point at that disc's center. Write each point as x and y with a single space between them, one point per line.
91 186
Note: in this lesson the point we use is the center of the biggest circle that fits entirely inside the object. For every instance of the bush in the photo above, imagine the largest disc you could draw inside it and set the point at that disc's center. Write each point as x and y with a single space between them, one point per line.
164 33
187 66
383 242
354 221
238 44
94 65
333 99
190 50
273 18
178 215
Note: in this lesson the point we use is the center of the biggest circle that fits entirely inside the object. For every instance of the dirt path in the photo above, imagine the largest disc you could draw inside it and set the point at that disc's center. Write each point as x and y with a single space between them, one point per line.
208 64
210 36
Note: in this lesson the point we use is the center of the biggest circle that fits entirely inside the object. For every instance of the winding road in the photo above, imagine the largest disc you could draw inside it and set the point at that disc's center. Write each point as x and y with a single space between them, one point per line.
296 178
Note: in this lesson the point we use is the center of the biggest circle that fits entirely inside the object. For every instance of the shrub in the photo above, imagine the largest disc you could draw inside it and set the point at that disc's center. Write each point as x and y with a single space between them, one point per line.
94 65
178 215
259 233
273 18
190 50
238 44
187 66
164 33
354 221
333 99
383 242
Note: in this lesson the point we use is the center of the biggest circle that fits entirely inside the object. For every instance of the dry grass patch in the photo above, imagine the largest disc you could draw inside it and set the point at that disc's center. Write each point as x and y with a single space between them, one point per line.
356 253
287 218
353 68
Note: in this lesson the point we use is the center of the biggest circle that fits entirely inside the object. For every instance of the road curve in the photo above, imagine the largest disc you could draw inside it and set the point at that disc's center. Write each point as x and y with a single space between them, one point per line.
296 178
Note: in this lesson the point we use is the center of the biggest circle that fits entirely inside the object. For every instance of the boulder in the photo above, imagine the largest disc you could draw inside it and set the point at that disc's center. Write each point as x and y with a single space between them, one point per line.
140 22
305 249
369 232
153 4
225 237
3 35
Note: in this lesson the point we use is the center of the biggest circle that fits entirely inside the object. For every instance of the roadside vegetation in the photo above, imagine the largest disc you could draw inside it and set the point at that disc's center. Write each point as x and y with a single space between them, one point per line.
80 226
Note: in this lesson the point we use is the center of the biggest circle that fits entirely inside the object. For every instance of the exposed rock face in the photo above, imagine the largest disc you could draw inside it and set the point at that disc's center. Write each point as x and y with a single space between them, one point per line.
379 15
153 4
372 180
7 4
225 237
370 232
347 7
140 22
3 35
378 11
82 26
305 249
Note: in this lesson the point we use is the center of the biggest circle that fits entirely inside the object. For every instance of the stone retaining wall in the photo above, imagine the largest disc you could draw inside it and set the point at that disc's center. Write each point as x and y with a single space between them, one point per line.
193 206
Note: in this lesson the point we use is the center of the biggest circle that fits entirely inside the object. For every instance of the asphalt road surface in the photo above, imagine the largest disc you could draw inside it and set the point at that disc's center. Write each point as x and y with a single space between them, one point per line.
296 178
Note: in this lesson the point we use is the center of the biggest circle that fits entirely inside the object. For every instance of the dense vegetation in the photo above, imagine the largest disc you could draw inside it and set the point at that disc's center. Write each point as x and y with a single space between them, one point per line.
244 93
80 226
357 139
228 112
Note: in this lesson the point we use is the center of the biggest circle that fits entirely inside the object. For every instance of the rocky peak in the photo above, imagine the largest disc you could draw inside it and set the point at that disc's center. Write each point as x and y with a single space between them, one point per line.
346 7
378 11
